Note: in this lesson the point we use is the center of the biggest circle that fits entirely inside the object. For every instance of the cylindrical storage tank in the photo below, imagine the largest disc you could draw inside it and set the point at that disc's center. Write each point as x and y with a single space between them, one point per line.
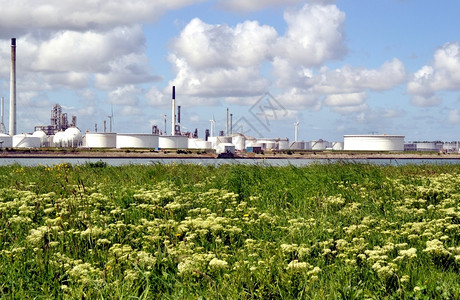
137 140
6 141
224 139
60 139
450 146
373 142
338 146
283 145
269 145
250 143
318 145
239 142
173 142
26 141
43 137
225 148
192 143
297 146
428 146
73 136
101 140
200 144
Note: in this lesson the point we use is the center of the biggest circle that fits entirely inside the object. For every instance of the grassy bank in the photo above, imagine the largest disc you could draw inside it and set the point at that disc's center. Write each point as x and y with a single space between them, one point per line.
343 231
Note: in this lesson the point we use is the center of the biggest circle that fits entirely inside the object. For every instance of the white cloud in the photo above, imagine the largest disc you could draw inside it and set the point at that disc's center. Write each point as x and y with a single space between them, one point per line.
218 82
127 95
338 100
248 6
220 46
82 15
350 79
442 74
351 109
221 61
299 99
157 98
424 100
88 51
315 34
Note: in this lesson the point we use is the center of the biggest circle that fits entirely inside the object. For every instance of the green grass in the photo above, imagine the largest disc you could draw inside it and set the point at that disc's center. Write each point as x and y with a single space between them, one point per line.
326 231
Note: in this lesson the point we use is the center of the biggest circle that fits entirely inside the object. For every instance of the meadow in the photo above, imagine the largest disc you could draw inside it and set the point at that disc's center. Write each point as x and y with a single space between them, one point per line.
325 231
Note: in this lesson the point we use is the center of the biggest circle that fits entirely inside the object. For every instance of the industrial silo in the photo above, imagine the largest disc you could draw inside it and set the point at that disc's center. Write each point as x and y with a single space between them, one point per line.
6 141
101 140
319 145
26 141
283 144
60 139
366 142
73 137
173 142
337 146
239 141
44 141
137 140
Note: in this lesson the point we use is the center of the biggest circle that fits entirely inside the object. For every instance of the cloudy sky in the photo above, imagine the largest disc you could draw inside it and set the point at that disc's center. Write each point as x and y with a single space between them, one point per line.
336 67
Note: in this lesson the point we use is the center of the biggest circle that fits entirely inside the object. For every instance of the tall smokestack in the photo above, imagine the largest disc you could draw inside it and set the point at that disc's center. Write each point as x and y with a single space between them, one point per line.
13 88
173 113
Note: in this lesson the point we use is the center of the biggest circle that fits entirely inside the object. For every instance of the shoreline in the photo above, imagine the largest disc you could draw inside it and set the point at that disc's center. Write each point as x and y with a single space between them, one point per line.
172 154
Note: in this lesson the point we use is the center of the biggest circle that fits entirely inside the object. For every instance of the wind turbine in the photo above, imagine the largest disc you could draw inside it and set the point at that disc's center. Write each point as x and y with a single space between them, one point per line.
296 132
111 120
213 121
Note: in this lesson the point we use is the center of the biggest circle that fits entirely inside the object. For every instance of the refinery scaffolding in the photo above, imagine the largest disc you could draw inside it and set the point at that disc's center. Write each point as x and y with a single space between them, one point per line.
59 121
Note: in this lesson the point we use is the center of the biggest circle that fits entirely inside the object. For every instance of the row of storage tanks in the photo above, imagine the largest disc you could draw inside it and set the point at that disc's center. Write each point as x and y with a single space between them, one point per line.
71 137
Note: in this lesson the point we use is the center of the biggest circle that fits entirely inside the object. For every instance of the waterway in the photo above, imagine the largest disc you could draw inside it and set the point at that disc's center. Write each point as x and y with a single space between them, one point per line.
23 161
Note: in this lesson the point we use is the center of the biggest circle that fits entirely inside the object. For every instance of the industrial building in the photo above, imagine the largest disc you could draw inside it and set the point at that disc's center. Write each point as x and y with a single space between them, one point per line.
433 146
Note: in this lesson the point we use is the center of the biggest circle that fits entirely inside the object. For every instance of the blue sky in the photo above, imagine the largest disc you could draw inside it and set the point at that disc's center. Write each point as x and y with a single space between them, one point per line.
338 67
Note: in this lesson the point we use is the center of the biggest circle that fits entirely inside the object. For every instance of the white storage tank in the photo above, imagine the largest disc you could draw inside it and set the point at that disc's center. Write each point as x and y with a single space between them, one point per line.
239 141
60 139
101 140
250 143
297 146
73 136
337 146
6 141
225 148
172 142
43 138
137 140
283 144
319 145
198 144
366 142
192 143
26 141
428 146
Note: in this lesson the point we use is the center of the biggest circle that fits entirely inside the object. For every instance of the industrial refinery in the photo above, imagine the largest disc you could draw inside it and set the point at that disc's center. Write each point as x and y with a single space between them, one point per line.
63 132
